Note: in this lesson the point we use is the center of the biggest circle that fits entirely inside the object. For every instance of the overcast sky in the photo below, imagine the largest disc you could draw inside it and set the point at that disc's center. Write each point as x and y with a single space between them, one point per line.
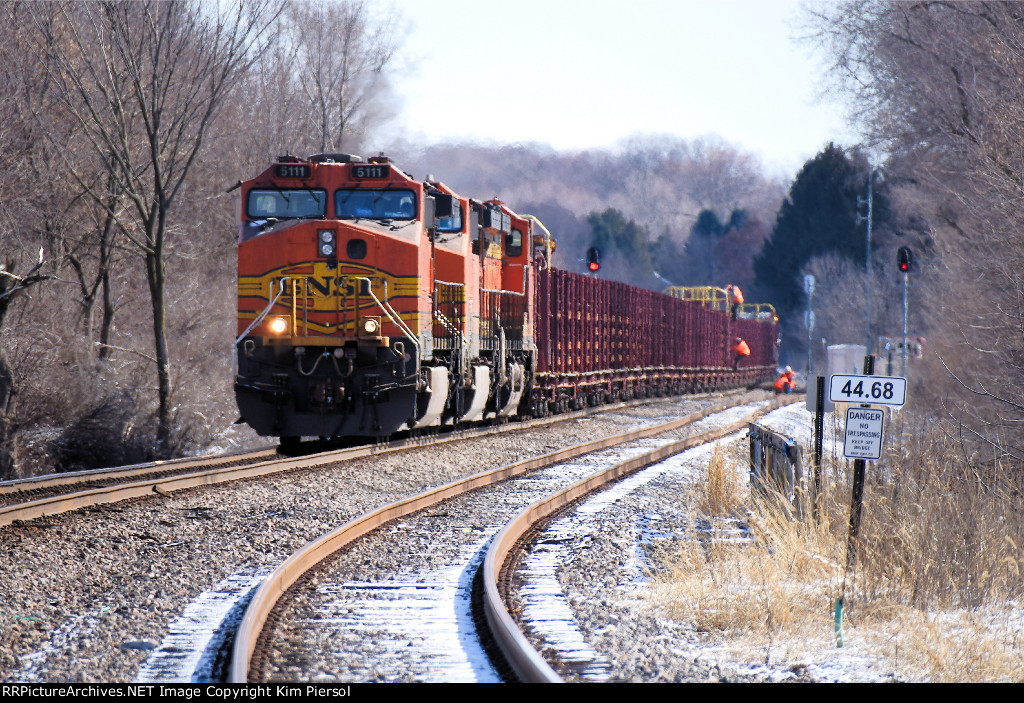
587 73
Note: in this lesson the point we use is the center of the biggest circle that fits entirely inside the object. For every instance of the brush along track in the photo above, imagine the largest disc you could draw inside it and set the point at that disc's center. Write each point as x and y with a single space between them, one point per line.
56 494
284 650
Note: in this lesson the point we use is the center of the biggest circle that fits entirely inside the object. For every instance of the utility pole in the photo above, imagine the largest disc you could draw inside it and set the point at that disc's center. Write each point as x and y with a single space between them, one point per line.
903 370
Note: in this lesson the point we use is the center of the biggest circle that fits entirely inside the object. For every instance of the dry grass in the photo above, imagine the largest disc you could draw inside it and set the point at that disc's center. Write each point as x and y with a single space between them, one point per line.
932 595
724 487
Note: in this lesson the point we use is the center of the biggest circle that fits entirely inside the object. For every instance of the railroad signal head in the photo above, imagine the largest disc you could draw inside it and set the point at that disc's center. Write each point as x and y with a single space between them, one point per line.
594 259
904 259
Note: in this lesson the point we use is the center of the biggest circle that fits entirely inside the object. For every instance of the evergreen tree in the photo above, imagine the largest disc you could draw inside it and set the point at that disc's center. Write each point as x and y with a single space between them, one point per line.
718 253
708 225
703 268
820 216
737 220
624 244
669 260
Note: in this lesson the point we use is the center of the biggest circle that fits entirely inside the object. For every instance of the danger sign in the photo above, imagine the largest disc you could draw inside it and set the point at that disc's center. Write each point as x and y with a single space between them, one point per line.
863 433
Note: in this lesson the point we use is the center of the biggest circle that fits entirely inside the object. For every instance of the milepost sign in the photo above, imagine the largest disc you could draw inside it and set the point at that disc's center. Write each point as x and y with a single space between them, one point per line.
874 390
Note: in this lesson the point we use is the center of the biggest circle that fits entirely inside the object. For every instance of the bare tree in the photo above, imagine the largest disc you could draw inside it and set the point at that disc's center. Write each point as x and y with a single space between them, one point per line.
937 86
341 53
144 81
12 285
75 233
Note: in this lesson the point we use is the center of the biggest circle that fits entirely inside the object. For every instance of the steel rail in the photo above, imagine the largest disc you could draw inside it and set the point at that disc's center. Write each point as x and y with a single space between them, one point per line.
529 665
294 567
71 478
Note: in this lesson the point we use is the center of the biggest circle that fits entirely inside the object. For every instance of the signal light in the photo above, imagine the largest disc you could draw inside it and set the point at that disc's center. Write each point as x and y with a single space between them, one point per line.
904 260
594 259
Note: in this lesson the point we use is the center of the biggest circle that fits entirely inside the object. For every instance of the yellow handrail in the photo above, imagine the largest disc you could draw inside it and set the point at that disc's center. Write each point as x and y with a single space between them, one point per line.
709 296
759 311
718 299
549 241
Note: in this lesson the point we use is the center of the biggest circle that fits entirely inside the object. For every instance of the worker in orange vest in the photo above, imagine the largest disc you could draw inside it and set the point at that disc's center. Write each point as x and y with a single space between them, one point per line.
785 382
740 349
735 298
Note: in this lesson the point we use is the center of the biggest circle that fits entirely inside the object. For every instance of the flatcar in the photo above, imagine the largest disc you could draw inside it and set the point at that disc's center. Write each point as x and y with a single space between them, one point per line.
370 302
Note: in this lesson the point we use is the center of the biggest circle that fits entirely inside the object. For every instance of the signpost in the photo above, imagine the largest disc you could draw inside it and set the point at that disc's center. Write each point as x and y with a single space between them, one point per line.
862 441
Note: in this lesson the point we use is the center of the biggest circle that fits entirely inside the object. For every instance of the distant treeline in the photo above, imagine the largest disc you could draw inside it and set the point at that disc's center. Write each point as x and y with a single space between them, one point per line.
666 211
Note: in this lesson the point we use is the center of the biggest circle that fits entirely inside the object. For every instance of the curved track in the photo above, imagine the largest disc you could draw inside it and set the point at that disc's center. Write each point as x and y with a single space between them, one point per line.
502 555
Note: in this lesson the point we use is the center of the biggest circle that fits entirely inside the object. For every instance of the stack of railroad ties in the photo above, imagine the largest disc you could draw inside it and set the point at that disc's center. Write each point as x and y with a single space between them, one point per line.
370 303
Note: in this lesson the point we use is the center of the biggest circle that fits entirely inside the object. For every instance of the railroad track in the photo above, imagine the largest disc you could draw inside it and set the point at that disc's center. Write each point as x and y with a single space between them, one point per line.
24 490
257 658
27 499
506 551
110 593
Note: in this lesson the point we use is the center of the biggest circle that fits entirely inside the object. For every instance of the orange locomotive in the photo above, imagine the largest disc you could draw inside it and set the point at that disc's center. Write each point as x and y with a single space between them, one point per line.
370 302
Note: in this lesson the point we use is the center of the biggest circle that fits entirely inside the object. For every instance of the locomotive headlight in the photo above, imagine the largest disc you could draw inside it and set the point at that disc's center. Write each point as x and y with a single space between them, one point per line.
279 325
326 249
371 326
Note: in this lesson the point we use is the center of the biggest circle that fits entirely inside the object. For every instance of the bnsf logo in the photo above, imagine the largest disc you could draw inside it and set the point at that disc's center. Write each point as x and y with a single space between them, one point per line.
333 293
324 285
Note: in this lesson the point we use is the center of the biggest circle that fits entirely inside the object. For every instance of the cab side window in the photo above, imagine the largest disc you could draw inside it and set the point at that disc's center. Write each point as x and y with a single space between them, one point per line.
514 243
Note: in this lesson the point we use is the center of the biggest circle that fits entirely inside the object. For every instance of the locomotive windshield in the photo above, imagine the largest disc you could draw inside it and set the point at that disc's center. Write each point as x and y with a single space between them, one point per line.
451 224
287 204
375 203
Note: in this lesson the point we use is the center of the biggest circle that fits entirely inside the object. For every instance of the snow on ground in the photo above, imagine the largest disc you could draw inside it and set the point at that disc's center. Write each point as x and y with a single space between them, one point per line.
189 653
